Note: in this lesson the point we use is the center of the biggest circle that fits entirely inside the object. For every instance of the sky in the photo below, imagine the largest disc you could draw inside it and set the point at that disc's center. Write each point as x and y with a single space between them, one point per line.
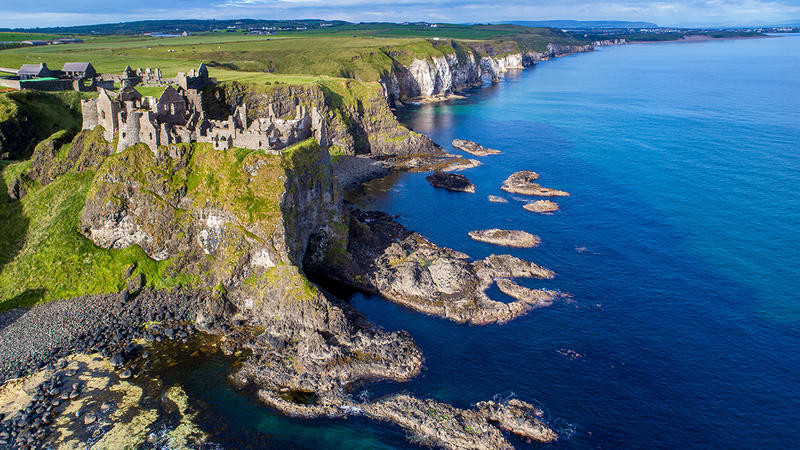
26 13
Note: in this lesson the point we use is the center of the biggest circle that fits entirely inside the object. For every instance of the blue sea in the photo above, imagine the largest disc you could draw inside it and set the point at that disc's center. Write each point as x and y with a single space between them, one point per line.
679 245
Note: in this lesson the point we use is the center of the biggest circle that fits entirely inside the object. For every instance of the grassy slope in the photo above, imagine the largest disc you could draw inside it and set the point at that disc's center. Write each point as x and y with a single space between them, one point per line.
42 256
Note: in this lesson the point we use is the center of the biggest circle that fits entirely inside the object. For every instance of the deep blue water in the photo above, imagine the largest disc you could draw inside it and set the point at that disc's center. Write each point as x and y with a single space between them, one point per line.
679 244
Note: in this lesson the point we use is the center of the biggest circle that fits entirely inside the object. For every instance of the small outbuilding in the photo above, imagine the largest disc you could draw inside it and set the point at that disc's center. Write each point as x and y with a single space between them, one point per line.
28 71
79 70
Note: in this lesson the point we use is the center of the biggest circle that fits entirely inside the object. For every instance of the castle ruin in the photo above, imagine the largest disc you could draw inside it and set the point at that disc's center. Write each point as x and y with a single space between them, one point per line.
177 116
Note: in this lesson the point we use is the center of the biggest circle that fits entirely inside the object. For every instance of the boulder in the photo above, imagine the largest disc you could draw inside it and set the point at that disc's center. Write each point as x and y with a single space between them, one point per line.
534 297
496 199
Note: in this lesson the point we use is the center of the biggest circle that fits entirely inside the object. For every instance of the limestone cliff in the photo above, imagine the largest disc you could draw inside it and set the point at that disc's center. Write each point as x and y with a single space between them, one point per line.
452 66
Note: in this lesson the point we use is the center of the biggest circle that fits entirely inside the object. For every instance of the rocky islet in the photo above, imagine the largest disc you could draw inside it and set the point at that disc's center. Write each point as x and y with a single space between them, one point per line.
523 182
474 148
507 238
541 206
451 181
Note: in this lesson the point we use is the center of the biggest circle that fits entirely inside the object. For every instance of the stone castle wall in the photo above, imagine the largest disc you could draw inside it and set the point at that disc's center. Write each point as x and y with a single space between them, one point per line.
177 116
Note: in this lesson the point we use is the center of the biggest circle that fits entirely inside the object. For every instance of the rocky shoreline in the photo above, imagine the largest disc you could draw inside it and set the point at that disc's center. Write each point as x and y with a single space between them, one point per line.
299 341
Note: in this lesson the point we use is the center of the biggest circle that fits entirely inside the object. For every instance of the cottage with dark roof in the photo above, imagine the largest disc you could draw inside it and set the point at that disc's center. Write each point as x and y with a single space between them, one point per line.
79 70
28 71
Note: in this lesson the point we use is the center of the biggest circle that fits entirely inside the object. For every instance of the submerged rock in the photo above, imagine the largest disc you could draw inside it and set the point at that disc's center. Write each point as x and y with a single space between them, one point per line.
522 182
508 238
474 148
541 206
451 182
496 199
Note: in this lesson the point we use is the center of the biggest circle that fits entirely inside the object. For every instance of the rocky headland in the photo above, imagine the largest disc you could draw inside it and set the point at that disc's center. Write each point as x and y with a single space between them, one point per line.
507 238
474 148
523 182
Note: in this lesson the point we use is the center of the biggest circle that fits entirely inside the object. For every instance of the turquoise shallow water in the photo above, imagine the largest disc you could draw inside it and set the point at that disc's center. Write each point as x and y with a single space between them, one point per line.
679 244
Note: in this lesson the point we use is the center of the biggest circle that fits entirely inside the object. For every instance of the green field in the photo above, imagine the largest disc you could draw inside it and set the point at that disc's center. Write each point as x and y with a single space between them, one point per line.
350 51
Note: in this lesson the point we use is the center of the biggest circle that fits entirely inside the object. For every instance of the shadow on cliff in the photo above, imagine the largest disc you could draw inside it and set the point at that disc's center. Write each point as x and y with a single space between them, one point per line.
353 127
13 224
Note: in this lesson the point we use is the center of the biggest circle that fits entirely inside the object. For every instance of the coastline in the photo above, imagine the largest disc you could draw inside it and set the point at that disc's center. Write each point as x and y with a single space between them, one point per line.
583 356
103 324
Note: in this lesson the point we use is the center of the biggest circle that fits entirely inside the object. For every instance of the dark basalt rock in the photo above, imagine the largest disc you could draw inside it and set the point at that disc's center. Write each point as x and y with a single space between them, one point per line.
451 181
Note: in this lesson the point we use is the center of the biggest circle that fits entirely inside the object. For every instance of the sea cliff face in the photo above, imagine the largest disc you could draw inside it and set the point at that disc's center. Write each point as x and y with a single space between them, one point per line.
460 66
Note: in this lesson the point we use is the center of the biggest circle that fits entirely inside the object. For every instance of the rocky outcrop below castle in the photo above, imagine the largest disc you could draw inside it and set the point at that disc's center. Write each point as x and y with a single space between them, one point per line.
457 65
241 223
